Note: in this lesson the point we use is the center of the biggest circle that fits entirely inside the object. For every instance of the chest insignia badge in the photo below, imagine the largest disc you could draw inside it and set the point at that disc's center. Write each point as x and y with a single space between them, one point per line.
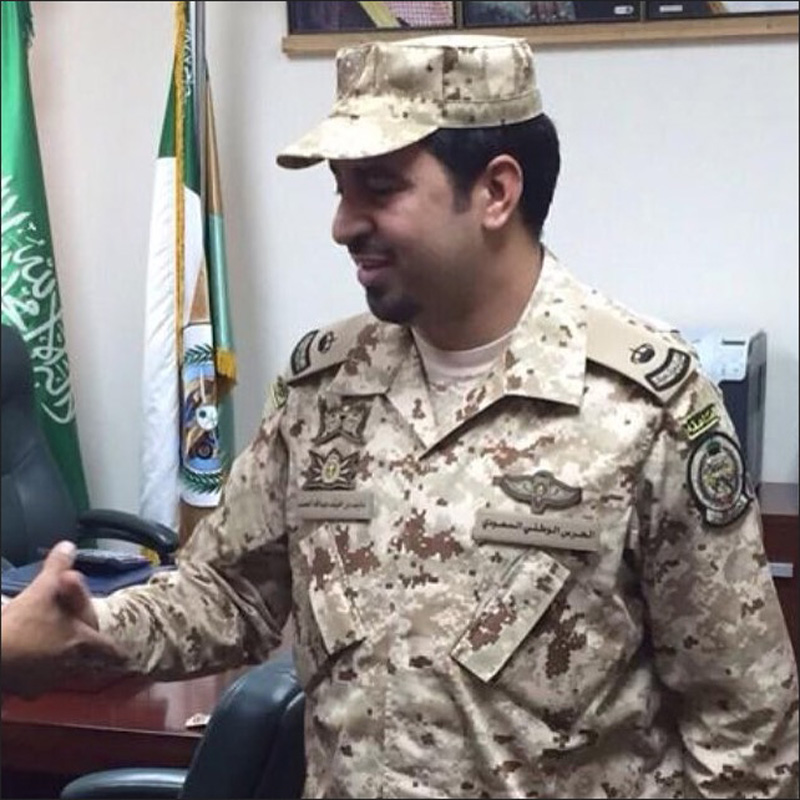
542 490
347 420
331 471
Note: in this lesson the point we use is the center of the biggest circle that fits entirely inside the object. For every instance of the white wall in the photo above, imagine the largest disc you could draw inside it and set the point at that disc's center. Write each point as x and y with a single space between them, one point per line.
679 196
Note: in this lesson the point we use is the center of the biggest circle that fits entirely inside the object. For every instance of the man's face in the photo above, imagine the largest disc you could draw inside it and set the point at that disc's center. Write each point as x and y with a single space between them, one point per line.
416 250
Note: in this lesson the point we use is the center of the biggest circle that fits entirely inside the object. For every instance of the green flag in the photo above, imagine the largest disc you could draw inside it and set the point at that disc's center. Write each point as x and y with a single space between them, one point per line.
30 298
189 360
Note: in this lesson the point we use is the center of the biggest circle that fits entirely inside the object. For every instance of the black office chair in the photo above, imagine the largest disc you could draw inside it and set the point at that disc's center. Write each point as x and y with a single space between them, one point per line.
253 746
37 509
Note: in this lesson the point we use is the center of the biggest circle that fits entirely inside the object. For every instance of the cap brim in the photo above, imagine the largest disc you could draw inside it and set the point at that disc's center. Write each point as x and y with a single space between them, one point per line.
352 137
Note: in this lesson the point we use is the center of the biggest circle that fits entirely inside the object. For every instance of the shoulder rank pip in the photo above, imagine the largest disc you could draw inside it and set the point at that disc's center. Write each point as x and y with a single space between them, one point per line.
656 360
322 348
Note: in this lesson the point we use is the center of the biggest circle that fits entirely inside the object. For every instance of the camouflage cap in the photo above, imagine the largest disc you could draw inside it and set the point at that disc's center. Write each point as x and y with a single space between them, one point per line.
392 94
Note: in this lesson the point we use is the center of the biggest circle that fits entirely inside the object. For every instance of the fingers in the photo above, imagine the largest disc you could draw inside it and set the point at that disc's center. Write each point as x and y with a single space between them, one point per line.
74 598
60 557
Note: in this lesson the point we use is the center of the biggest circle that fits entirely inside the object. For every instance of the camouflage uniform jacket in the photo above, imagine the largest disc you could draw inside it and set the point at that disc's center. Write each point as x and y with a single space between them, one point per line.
559 590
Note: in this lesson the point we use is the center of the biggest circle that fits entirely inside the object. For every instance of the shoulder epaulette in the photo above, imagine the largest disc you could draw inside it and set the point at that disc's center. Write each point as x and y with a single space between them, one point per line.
322 348
655 359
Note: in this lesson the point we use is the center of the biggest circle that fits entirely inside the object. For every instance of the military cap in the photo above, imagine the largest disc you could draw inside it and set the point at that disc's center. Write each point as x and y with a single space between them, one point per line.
392 94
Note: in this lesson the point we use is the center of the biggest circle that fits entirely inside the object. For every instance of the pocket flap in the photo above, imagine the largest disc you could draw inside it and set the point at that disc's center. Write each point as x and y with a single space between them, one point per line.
336 617
508 615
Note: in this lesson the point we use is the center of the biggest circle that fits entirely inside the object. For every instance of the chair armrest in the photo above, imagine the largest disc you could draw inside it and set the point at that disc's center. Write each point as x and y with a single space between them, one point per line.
136 783
101 523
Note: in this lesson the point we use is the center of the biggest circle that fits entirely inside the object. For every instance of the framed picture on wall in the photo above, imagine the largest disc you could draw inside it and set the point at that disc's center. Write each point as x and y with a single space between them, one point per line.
487 14
713 8
330 16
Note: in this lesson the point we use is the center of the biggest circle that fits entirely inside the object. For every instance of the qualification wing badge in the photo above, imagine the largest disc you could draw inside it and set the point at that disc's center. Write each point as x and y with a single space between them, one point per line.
541 491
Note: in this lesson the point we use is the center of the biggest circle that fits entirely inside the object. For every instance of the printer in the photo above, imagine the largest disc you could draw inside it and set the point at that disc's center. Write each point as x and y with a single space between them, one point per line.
737 363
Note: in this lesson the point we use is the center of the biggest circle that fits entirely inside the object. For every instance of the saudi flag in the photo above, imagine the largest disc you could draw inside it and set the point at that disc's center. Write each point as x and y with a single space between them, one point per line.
30 298
189 364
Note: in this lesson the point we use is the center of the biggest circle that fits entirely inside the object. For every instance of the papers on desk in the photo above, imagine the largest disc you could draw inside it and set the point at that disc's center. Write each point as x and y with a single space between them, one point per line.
197 721
100 583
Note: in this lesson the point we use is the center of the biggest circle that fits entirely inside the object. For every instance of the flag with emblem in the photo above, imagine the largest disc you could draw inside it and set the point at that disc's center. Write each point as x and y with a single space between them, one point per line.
189 362
30 296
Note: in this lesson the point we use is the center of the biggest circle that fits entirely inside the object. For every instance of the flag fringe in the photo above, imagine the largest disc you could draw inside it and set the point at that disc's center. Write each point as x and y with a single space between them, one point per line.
225 362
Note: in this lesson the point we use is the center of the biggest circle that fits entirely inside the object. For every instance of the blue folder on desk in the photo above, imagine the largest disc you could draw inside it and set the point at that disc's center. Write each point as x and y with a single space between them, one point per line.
100 583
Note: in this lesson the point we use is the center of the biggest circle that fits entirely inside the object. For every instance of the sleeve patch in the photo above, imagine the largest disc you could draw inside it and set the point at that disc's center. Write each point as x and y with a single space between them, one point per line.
717 481
695 425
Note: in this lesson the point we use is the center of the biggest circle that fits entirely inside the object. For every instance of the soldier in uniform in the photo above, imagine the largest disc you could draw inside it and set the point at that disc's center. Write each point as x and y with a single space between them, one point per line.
509 519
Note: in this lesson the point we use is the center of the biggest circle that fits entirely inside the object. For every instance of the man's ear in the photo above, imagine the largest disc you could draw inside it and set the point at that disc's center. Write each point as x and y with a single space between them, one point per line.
501 188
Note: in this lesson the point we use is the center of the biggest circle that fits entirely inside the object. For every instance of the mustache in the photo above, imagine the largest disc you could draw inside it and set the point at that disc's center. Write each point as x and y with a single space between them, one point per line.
365 246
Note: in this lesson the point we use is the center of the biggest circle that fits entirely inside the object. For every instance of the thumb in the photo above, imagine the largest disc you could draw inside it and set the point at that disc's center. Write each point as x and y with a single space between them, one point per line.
74 597
60 557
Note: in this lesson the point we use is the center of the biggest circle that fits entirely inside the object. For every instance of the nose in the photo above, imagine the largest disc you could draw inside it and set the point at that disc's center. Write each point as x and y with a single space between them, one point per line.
350 222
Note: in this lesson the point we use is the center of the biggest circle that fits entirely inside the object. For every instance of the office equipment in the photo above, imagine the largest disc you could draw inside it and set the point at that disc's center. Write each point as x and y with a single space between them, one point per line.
737 363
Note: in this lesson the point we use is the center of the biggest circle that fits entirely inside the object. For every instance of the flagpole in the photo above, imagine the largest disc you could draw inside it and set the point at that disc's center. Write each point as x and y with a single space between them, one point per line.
200 97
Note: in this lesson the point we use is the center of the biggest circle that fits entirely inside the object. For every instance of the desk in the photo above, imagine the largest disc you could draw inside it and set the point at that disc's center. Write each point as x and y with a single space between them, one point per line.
133 722
779 517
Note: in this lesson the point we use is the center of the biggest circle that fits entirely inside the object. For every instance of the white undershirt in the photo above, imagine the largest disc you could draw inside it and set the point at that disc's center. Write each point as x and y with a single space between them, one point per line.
446 367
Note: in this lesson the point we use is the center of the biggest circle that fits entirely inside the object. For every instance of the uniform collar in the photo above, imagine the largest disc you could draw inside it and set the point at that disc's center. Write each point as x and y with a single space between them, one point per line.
545 359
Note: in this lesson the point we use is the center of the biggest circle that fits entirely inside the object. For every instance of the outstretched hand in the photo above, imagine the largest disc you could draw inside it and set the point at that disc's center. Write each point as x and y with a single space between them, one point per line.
49 631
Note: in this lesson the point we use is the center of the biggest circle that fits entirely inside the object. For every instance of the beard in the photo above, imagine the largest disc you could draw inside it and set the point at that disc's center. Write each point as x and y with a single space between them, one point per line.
400 310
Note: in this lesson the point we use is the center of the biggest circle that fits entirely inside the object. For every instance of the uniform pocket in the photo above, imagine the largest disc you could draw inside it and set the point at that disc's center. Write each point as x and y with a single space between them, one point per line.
336 617
508 615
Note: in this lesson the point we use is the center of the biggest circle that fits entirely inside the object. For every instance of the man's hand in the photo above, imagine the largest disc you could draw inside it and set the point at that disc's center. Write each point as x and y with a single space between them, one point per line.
49 631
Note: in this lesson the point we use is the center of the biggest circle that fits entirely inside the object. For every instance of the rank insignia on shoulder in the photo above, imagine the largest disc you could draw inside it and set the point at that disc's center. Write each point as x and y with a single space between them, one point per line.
280 393
323 348
717 481
654 359
670 372
642 353
301 357
701 422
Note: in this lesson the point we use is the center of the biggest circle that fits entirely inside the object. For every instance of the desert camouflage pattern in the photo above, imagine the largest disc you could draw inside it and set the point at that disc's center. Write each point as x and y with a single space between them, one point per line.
392 94
516 596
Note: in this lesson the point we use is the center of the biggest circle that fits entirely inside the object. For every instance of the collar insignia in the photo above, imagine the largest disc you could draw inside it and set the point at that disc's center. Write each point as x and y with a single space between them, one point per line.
347 421
542 490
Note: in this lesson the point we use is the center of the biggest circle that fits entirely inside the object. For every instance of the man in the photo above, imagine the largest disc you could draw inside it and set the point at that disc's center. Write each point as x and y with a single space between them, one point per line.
42 642
510 521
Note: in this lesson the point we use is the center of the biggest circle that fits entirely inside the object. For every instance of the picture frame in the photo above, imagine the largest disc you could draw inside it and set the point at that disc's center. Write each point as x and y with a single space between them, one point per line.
714 9
336 16
593 22
481 14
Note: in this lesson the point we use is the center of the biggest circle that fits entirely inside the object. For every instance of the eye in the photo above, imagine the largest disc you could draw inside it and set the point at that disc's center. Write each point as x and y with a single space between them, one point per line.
382 185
